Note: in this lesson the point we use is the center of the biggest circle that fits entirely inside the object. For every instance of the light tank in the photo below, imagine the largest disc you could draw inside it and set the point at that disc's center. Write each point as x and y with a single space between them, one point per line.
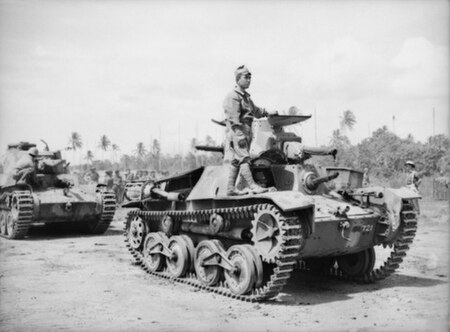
47 197
185 228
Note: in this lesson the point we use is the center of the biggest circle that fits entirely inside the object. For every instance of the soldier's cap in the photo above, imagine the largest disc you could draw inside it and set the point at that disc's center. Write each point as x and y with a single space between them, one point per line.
411 163
93 168
108 172
33 152
241 70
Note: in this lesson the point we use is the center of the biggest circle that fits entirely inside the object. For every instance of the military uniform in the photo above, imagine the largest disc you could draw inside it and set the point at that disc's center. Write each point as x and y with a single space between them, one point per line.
413 178
240 112
26 166
94 176
109 181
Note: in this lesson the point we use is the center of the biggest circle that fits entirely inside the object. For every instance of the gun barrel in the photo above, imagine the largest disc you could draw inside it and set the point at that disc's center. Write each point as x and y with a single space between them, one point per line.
319 151
170 196
313 183
210 148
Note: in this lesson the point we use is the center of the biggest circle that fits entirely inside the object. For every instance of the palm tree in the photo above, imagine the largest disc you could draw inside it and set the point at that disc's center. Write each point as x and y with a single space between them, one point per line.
140 151
348 120
156 154
114 148
104 144
75 143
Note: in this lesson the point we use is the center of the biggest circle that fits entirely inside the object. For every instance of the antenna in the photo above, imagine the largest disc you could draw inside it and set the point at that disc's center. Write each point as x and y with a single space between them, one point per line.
393 123
434 133
315 125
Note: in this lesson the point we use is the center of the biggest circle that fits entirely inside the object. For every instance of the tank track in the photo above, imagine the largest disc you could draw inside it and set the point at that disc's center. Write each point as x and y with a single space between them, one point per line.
108 210
293 240
404 238
24 201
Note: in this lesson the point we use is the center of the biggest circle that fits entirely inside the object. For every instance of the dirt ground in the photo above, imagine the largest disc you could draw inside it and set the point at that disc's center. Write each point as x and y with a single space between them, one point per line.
56 281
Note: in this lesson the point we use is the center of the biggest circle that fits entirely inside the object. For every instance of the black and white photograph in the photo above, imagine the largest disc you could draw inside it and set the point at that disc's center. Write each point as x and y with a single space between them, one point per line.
224 165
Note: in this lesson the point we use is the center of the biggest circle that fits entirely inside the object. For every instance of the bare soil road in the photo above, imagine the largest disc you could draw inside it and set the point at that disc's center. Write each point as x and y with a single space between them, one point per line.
56 281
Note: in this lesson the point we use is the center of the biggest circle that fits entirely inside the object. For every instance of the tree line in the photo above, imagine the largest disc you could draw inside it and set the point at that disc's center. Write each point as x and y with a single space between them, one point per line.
383 153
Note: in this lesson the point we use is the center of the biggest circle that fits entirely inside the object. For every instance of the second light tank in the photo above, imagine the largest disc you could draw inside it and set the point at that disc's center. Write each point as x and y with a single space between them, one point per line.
47 197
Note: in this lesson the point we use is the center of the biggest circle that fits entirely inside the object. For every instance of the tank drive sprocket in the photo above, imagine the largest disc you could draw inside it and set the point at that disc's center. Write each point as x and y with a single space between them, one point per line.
271 232
101 224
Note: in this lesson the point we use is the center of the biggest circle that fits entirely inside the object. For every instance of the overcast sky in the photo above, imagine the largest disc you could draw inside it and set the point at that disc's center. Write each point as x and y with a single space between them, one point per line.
139 70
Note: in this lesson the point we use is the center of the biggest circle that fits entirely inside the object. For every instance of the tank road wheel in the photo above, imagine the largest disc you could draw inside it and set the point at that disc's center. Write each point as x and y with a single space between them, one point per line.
258 265
357 264
266 231
207 263
191 251
241 278
178 263
153 248
136 233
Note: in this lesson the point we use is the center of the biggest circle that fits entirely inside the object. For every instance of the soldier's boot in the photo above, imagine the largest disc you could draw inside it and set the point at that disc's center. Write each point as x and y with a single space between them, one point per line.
246 173
232 176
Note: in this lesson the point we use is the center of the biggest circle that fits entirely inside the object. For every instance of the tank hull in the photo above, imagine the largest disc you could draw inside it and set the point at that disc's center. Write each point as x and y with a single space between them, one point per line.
20 208
279 230
56 205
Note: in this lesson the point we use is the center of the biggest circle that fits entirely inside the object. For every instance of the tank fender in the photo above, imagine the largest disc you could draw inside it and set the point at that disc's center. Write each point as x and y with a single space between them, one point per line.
391 199
406 192
289 200
294 201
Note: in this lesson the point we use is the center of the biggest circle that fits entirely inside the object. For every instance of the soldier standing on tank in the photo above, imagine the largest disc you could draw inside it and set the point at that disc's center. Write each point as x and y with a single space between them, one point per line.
26 166
240 111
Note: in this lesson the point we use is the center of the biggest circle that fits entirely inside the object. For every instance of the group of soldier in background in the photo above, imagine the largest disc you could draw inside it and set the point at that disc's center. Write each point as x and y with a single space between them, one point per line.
116 181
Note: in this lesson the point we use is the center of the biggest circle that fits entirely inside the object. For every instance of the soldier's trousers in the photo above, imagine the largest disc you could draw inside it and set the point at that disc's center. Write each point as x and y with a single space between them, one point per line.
240 139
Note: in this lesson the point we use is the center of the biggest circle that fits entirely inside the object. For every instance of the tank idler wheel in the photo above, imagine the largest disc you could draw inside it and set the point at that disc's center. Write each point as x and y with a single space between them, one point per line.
191 251
357 264
137 233
153 249
11 219
207 263
2 222
178 262
242 277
